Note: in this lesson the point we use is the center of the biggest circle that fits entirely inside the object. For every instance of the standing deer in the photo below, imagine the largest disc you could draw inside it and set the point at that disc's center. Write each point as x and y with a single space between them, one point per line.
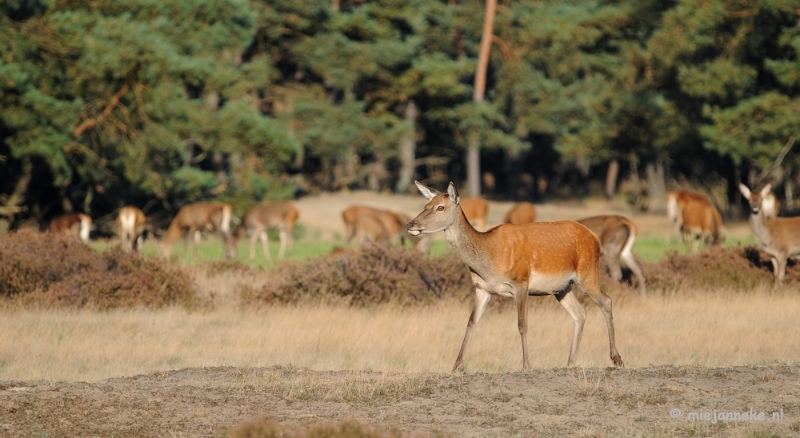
259 219
702 222
191 218
542 258
476 209
780 237
677 200
131 225
368 223
77 224
617 235
522 213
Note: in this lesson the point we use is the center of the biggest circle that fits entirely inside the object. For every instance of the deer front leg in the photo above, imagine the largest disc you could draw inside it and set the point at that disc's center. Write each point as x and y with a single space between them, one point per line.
282 234
482 297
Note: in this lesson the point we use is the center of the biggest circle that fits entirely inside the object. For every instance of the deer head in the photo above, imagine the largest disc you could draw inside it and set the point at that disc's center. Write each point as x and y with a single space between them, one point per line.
440 212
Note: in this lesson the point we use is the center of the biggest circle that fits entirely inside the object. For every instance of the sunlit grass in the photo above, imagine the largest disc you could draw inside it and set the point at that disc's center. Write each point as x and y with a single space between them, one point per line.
653 249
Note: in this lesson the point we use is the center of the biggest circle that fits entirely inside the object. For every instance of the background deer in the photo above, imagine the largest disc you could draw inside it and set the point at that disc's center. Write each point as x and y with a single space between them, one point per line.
702 222
771 205
77 224
131 226
364 223
617 235
780 237
542 258
476 209
521 213
212 216
676 202
280 216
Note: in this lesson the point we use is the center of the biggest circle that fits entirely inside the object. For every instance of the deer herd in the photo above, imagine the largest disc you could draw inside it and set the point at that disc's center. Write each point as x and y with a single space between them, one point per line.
516 259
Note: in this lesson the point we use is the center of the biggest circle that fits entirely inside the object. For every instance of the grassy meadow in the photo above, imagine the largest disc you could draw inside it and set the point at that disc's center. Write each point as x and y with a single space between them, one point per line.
689 327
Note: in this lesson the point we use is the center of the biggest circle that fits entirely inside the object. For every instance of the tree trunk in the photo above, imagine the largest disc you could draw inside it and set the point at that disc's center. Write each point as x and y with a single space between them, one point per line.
473 142
408 149
611 178
656 187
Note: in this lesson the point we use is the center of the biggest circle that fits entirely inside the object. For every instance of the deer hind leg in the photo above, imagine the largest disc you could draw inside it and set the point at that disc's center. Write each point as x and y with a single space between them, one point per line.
570 302
591 286
522 324
282 233
482 297
779 269
633 265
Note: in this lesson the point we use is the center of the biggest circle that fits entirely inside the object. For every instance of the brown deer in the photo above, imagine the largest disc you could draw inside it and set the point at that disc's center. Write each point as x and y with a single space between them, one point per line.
376 225
77 224
476 209
677 200
191 218
702 222
521 213
280 216
617 235
131 226
542 258
780 237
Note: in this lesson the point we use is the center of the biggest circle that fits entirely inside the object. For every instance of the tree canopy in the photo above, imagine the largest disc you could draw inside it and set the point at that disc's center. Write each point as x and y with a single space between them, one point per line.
160 103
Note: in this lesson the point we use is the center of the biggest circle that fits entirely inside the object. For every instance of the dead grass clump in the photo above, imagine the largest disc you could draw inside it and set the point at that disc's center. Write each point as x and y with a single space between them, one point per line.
50 271
344 429
737 268
377 274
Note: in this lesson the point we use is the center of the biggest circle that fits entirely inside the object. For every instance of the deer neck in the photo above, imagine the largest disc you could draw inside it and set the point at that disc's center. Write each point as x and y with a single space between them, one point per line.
466 241
758 223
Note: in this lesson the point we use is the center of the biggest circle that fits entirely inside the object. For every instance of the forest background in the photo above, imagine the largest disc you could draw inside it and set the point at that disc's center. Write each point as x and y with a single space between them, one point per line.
158 103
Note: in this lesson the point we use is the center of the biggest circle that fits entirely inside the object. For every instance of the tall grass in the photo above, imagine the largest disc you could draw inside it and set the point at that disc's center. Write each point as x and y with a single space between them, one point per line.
693 327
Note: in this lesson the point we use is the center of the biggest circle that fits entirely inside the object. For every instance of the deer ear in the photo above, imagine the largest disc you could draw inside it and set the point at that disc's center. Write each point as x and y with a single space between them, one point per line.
453 193
426 191
765 190
745 191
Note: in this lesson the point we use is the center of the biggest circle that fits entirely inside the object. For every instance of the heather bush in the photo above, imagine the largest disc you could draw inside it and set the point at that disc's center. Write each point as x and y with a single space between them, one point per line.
376 274
740 268
345 429
52 270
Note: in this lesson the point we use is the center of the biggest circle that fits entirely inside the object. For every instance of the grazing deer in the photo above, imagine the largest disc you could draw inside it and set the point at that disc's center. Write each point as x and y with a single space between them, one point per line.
259 219
476 209
191 218
522 213
77 224
131 225
702 222
368 223
542 258
677 200
780 237
771 206
617 235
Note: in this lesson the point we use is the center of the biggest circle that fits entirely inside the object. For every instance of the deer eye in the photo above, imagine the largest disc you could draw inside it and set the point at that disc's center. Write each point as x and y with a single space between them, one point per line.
440 208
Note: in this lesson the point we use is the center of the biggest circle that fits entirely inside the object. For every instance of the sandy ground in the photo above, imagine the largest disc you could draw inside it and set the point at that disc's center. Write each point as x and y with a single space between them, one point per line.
659 401
203 402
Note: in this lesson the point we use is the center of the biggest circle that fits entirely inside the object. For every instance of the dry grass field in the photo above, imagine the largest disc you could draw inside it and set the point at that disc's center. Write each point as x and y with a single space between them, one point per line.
218 370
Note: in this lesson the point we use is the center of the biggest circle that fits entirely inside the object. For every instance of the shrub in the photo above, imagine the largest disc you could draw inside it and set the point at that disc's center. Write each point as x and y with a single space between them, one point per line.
54 270
736 268
376 274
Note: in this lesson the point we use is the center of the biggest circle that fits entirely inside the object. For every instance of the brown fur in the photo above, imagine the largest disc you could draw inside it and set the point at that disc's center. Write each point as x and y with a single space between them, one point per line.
280 216
382 226
617 235
522 213
702 222
212 216
677 200
476 209
131 236
77 224
543 258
